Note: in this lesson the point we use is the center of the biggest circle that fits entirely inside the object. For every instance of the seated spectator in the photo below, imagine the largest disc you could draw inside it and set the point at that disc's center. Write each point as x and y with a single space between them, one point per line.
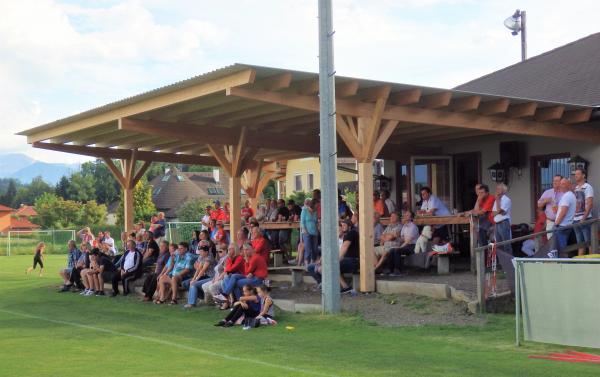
390 206
390 239
152 280
108 240
408 238
220 235
260 244
344 211
72 258
160 227
193 245
204 273
82 263
378 229
247 211
103 270
431 205
130 269
295 210
214 286
255 271
242 237
266 316
196 262
151 250
139 228
349 254
179 270
261 213
212 229
247 306
225 214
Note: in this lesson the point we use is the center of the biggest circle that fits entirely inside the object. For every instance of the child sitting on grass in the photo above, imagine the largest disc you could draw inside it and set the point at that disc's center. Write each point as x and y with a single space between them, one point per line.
38 258
267 310
248 306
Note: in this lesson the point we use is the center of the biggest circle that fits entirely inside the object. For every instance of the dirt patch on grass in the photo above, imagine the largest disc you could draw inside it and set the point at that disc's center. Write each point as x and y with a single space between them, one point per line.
390 310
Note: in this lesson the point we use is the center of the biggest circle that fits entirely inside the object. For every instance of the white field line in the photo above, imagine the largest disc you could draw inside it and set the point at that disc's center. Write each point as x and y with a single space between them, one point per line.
171 344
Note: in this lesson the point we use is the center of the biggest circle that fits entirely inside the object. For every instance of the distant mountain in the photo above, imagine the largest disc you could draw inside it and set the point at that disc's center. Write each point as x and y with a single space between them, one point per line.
50 172
12 162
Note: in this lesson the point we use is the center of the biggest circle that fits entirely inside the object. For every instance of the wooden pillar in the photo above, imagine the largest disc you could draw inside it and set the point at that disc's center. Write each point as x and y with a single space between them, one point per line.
365 226
234 205
128 209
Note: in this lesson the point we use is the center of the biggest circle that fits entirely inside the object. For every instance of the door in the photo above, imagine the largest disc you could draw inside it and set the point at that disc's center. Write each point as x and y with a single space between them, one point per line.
434 172
467 173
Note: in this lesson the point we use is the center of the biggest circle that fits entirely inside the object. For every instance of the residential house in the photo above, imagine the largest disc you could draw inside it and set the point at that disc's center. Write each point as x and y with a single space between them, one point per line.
304 175
17 219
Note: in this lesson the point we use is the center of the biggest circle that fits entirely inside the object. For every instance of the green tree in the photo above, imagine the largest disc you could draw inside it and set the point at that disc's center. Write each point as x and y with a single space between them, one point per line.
29 193
106 186
298 197
82 187
193 210
143 205
62 187
93 214
270 190
10 194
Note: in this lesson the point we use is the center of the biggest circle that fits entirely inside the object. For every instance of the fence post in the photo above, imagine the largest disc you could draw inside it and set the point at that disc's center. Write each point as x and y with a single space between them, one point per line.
474 240
8 245
517 303
480 259
594 238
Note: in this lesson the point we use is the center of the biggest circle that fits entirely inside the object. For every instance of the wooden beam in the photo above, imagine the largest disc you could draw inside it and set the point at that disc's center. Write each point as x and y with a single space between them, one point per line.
115 171
346 89
219 155
347 135
375 121
144 104
428 116
130 164
238 155
493 107
140 173
124 154
521 110
387 130
549 113
275 82
469 103
375 93
216 111
437 100
307 87
218 135
576 116
405 97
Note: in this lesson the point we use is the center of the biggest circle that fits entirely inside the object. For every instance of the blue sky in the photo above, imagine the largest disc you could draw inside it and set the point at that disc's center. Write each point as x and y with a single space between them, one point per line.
58 58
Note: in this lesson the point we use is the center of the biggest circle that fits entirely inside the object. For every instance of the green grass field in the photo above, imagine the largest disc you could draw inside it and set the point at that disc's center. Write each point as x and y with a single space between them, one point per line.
44 333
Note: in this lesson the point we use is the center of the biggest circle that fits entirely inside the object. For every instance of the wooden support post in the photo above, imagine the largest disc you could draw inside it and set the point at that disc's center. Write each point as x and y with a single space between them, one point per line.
234 205
480 258
474 240
365 221
594 238
128 210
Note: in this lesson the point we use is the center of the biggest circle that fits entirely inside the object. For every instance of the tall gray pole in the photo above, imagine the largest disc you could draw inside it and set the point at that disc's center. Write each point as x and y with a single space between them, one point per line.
523 35
329 219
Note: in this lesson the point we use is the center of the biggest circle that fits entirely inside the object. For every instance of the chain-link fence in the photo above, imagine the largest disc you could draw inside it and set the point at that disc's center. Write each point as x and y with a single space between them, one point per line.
181 231
25 242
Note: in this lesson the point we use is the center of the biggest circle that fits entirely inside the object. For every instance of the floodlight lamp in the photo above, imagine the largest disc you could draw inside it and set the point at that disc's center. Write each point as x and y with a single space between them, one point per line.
513 23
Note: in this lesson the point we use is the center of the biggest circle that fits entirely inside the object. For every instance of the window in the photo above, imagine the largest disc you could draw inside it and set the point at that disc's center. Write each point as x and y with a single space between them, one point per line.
166 178
180 178
310 181
298 183
157 191
544 168
215 191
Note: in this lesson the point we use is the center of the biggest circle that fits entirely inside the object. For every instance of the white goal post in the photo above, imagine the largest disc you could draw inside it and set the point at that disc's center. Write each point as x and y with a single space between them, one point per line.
20 239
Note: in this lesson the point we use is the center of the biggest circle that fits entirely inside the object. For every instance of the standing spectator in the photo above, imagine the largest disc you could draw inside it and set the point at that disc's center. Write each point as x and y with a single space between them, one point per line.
216 213
584 194
284 235
72 258
390 206
295 210
502 217
150 251
86 235
483 210
344 211
152 280
131 269
431 205
160 227
206 218
379 205
309 231
408 239
548 202
566 213
316 195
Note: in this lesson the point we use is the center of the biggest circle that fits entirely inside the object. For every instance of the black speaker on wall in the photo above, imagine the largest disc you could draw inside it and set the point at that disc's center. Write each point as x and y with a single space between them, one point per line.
512 154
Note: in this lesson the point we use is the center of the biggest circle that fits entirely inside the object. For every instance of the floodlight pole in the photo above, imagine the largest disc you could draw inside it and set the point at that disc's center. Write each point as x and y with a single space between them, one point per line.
523 35
330 296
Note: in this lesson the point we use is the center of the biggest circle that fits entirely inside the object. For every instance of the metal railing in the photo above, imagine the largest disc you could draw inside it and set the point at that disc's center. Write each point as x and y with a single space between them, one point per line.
481 250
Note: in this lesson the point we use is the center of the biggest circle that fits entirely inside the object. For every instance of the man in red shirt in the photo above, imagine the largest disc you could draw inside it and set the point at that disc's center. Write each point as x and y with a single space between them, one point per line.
260 244
216 213
483 209
255 272
247 211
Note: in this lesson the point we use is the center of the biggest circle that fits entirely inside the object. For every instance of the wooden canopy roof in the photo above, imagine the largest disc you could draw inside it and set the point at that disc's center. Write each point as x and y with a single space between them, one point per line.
276 112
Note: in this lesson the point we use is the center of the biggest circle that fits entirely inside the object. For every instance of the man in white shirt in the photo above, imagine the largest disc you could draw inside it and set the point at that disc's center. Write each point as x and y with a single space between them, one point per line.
389 203
110 242
431 205
584 196
502 217
548 202
566 214
408 238
206 218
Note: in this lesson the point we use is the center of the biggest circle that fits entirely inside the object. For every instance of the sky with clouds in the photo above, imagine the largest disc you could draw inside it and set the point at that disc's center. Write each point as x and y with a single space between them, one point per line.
58 58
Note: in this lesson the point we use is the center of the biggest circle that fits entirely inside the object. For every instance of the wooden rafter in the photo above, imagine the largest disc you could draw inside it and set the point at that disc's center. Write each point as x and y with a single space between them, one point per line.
521 110
496 106
576 116
469 103
124 154
405 97
437 100
346 89
545 114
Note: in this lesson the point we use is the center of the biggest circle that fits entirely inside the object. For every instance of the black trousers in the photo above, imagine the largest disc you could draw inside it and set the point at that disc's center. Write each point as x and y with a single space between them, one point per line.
76 278
237 312
37 260
127 278
150 285
397 256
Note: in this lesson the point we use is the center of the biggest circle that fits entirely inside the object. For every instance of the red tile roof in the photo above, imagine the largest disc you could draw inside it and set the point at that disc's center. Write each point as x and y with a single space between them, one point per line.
27 211
5 208
22 224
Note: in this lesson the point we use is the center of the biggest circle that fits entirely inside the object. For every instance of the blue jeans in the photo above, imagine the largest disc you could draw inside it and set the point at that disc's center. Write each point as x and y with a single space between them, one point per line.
502 233
230 281
196 289
311 244
583 233
253 281
562 237
312 271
